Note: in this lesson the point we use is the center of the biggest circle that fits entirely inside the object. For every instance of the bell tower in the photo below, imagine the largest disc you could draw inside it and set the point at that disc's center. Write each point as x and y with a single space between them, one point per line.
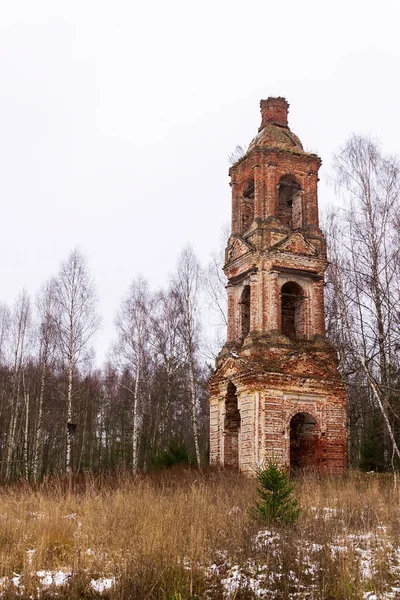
276 392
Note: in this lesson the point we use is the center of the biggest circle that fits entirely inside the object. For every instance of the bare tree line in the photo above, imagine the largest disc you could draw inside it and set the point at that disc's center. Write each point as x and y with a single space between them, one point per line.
59 414
363 297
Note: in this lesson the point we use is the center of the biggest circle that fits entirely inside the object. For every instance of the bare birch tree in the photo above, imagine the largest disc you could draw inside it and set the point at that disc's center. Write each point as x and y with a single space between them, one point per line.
132 328
20 323
46 340
217 300
169 352
76 322
5 321
186 283
364 270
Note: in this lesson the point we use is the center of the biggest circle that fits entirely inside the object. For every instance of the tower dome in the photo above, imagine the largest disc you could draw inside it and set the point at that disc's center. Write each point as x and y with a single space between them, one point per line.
274 129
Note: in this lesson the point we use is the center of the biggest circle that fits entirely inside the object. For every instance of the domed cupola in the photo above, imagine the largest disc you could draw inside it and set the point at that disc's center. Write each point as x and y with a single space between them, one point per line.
274 130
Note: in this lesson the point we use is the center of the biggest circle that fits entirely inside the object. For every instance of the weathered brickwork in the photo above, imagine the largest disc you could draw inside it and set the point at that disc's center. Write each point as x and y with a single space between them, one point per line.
276 391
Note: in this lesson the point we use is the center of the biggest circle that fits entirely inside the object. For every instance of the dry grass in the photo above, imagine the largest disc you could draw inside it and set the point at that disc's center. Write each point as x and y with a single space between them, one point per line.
182 535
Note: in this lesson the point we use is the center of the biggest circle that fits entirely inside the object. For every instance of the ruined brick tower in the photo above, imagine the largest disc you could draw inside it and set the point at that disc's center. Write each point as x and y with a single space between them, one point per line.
276 391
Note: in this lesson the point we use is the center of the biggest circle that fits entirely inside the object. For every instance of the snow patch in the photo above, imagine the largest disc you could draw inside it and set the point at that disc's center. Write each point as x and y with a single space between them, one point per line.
53 578
102 584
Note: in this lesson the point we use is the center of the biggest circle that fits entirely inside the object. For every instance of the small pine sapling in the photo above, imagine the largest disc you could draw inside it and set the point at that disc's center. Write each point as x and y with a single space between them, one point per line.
277 503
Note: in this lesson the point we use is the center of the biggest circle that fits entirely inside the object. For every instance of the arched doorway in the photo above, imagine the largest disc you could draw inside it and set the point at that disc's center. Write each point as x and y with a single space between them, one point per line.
231 428
292 306
304 442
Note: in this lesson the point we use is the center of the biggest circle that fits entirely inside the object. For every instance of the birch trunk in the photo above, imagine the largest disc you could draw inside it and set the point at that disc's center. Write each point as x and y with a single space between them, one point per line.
14 400
194 410
26 434
135 405
21 316
36 467
68 463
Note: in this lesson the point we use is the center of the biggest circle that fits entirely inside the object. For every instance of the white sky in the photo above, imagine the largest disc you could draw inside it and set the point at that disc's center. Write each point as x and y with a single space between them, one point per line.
117 118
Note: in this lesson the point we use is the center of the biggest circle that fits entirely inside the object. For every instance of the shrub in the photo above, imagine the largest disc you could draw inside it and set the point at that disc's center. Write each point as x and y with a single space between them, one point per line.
277 503
176 454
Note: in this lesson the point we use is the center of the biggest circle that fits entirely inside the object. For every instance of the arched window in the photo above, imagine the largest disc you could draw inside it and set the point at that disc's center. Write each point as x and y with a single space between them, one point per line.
248 205
290 206
292 305
245 312
231 428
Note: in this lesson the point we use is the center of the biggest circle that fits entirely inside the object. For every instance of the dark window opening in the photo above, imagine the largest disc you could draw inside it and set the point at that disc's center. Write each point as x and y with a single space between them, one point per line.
231 428
292 304
290 204
249 190
248 205
245 311
304 442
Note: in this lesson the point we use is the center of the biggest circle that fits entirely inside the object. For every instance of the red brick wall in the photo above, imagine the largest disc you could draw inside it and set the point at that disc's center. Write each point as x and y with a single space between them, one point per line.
275 376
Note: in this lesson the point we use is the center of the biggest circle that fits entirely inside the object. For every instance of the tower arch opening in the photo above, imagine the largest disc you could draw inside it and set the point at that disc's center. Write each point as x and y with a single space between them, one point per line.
232 423
290 204
304 441
245 312
248 204
293 313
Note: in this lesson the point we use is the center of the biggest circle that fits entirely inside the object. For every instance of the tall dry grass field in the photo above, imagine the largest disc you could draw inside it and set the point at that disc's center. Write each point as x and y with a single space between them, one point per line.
182 535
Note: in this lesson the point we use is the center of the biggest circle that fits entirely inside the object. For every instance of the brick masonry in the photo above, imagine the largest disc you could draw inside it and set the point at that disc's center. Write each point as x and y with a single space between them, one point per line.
276 391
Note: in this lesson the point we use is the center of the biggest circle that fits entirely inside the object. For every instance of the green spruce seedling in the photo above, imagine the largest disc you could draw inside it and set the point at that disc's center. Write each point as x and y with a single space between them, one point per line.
277 502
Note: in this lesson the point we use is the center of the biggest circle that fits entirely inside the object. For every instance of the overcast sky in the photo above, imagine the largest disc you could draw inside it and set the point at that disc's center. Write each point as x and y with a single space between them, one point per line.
117 119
